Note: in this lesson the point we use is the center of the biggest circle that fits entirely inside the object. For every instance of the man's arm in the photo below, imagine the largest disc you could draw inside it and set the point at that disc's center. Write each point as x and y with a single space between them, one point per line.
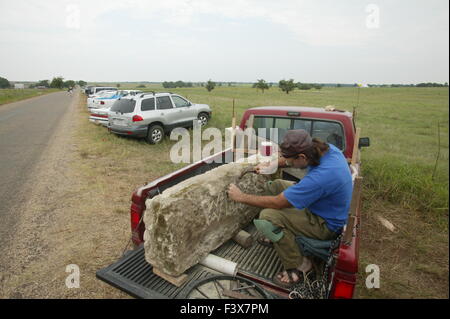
275 202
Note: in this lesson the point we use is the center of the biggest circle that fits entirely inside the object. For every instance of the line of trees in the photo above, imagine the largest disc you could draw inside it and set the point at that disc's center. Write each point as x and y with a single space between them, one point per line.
289 85
177 84
56 82
432 85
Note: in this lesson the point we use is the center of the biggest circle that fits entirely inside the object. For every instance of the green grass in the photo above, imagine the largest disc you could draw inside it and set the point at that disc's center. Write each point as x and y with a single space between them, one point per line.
13 95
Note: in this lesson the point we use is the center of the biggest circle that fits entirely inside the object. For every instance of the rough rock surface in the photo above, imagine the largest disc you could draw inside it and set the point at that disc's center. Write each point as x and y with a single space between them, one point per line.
189 220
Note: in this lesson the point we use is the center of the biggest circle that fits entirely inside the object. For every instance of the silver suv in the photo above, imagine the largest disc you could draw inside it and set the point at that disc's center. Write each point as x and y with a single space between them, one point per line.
152 115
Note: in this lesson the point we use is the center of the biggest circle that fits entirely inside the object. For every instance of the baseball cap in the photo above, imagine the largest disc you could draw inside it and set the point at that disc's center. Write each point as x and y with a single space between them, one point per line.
295 142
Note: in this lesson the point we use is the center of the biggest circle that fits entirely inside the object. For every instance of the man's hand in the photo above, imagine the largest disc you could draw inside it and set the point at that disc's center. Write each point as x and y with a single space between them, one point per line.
261 166
266 168
235 193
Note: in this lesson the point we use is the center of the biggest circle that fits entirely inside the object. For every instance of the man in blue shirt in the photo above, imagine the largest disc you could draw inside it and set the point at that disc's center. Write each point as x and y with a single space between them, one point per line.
316 207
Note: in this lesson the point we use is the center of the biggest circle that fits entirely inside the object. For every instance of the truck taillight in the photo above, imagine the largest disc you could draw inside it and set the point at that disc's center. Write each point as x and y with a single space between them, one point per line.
102 102
137 118
343 290
135 218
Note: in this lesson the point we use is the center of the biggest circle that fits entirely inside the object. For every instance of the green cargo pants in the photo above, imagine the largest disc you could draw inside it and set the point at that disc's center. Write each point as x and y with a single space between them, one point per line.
294 222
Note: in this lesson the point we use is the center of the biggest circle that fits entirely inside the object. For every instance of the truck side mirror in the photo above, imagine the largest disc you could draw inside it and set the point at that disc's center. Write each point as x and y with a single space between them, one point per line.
364 142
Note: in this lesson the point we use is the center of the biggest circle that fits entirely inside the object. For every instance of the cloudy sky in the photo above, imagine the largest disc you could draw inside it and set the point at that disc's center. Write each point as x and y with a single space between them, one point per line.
348 41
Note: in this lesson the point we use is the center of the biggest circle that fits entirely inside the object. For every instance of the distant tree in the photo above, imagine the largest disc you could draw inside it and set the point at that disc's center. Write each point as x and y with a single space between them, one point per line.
118 85
304 86
140 86
446 84
69 84
230 83
318 86
261 85
429 85
82 83
44 83
4 83
57 82
287 86
210 85
339 85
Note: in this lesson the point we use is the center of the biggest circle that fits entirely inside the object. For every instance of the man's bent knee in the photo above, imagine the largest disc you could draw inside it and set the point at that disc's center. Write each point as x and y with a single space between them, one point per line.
269 230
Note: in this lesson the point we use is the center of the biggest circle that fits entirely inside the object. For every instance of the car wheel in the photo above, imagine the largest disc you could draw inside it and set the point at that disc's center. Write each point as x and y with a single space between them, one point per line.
203 118
155 134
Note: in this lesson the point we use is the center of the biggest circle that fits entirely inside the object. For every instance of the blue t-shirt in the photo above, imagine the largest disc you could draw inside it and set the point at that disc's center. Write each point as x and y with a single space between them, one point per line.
326 190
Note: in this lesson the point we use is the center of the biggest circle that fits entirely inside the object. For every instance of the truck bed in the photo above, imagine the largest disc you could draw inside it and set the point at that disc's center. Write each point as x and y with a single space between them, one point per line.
134 275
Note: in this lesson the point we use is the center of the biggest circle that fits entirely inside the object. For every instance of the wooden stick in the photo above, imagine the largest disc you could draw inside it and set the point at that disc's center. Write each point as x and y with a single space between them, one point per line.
243 238
356 196
356 146
233 133
250 121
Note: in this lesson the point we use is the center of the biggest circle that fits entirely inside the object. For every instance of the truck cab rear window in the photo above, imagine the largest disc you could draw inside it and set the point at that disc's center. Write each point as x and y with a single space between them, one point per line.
123 106
328 131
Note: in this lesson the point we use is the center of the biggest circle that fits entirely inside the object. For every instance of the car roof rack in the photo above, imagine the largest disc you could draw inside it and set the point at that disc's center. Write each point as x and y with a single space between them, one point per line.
147 93
154 93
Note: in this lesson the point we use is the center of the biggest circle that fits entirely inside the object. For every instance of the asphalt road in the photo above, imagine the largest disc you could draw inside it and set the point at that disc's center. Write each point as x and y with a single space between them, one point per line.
25 130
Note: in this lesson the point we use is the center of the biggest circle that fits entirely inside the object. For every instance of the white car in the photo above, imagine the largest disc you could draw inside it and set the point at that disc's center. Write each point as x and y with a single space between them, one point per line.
151 115
101 105
97 89
92 98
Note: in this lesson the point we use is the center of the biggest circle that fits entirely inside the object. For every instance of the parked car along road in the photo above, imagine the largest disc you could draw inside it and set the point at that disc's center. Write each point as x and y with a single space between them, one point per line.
101 105
96 89
91 100
152 115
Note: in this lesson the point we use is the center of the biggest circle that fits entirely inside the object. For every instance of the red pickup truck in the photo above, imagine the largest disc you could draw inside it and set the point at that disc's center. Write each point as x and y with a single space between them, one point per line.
258 263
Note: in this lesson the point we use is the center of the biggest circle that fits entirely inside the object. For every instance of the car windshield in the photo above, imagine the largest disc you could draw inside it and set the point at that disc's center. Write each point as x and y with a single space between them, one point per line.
123 106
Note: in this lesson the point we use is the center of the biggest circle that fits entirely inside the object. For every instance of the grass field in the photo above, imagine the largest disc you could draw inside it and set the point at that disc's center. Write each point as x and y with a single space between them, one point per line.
401 182
13 95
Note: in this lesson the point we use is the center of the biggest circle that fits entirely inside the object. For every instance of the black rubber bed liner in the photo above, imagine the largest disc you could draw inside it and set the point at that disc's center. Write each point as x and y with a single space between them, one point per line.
135 276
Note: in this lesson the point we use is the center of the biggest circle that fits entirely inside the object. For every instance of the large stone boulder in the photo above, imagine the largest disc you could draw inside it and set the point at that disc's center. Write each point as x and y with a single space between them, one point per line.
189 220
